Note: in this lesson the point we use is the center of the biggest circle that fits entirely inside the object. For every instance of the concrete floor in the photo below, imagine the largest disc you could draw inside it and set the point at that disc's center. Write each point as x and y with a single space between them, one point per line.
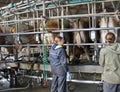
79 88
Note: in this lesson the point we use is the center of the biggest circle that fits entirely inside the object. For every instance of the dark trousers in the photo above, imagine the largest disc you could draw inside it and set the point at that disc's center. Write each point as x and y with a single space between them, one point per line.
108 87
58 84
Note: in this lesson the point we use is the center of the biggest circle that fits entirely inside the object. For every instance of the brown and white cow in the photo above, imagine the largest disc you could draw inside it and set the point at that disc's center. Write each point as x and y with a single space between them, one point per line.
70 37
52 25
108 22
79 38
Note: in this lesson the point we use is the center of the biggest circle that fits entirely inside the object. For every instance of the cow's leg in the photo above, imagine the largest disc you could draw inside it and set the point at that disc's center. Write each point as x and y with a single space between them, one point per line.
87 53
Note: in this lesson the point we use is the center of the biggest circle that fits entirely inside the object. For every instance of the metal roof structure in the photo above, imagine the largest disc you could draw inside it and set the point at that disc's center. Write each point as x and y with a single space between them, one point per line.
6 2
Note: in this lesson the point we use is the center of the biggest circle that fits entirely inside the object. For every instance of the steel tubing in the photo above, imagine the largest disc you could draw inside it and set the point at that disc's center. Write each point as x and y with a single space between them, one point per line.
34 45
49 2
57 31
73 80
58 6
67 16
82 81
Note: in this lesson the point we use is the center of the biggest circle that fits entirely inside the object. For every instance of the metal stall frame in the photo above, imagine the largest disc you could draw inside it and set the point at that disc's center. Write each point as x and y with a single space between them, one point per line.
93 14
58 17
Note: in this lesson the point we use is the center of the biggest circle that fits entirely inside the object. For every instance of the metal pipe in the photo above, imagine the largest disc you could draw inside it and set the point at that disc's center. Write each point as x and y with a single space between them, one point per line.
52 13
38 27
25 6
49 13
57 31
34 45
68 16
34 77
17 4
73 80
86 81
82 81
22 20
62 21
86 29
58 12
66 5
85 15
34 20
32 4
49 2
88 7
94 26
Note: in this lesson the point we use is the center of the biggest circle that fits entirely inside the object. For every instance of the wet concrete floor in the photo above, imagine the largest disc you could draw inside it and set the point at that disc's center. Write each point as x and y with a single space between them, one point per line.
78 88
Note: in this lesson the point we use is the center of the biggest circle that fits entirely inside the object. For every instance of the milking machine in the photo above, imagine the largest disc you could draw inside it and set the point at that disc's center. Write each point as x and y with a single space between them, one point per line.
8 77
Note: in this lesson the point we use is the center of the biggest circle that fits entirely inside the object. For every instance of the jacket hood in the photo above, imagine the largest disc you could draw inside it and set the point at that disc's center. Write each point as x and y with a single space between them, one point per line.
115 48
55 46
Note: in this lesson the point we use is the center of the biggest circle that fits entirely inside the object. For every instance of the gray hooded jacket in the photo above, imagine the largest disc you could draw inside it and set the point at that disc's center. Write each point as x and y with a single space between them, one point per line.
110 61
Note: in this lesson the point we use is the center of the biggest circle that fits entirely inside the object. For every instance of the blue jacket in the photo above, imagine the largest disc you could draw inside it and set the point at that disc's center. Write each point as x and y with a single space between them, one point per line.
57 57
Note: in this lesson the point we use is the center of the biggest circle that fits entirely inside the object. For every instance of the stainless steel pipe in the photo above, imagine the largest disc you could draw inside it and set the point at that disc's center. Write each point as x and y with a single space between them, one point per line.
57 31
72 80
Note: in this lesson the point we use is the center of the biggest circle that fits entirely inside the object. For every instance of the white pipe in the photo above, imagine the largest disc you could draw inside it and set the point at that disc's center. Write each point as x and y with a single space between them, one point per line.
86 81
72 80
34 77
83 81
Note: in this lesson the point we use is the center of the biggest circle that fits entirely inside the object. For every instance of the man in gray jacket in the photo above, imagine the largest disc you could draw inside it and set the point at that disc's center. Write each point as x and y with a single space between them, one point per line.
110 61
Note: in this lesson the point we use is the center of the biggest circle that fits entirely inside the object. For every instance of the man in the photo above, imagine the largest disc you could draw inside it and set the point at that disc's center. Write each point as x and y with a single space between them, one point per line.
110 61
57 57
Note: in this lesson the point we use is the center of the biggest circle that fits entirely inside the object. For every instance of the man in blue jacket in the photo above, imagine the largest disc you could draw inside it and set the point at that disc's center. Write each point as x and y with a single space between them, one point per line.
57 57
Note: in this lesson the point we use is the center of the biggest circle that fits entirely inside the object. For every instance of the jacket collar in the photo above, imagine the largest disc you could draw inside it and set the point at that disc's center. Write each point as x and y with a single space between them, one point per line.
58 46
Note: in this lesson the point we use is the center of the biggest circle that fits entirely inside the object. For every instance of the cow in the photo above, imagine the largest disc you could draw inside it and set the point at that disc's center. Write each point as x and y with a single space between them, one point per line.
108 22
52 25
18 40
81 37
70 37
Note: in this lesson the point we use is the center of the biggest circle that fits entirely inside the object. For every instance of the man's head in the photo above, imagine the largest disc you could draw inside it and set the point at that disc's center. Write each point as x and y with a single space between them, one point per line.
110 37
59 40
